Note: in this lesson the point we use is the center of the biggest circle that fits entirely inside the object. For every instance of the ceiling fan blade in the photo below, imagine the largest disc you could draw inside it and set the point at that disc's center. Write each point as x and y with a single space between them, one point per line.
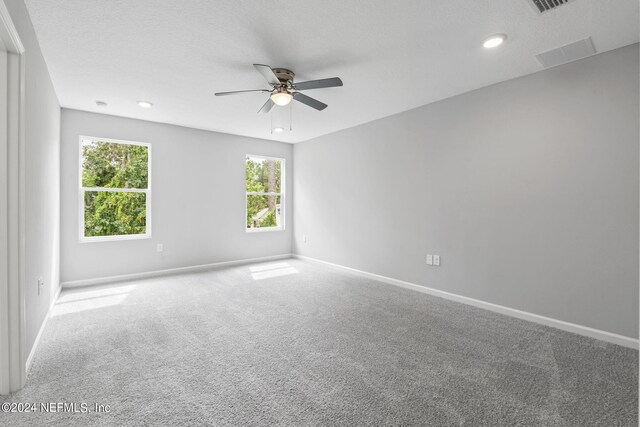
268 74
313 103
240 91
318 84
267 106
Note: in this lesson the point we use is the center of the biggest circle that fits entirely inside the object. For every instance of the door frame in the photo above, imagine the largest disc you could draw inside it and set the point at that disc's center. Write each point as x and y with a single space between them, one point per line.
13 369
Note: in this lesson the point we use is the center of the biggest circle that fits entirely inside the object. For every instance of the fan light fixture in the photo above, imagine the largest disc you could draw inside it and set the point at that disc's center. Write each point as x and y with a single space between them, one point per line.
494 41
281 97
283 89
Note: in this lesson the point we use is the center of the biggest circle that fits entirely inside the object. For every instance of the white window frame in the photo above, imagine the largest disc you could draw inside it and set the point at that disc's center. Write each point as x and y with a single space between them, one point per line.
82 190
259 193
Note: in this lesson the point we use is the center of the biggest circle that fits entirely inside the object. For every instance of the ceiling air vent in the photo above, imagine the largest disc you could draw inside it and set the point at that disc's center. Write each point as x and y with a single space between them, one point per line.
542 6
567 53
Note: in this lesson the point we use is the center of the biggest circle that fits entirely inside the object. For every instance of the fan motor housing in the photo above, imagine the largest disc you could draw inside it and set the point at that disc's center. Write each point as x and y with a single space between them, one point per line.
284 75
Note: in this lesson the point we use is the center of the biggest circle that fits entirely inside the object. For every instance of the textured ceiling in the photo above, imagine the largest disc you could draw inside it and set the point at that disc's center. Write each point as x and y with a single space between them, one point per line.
391 55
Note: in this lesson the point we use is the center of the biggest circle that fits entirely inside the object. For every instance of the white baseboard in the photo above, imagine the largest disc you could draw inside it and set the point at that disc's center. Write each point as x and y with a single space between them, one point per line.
44 323
156 273
547 321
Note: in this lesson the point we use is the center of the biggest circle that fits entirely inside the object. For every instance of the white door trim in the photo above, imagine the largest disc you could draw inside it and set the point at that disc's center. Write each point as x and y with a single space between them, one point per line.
12 302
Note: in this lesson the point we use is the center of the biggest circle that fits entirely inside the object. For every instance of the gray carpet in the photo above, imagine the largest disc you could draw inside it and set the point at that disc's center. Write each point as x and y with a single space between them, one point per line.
293 343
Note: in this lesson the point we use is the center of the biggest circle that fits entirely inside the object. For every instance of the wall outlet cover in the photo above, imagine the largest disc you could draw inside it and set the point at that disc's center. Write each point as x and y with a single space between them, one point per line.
429 259
436 260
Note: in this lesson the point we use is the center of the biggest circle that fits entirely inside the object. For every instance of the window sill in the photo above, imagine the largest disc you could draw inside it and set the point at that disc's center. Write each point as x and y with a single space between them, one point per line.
264 229
114 238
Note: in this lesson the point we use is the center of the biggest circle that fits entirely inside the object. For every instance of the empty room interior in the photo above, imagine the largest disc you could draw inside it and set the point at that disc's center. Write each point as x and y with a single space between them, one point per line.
252 213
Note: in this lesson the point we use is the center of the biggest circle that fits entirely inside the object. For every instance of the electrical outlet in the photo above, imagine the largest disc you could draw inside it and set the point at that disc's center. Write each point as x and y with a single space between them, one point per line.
436 260
159 247
40 285
429 259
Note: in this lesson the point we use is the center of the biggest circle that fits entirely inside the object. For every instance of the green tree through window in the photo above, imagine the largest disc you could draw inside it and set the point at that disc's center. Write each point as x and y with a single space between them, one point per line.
115 185
265 208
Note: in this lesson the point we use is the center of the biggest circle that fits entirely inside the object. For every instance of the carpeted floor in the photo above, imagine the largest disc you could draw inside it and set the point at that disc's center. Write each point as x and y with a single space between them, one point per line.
293 343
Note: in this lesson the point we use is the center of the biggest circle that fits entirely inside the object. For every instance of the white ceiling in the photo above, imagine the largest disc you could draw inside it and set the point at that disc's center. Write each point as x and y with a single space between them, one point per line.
391 55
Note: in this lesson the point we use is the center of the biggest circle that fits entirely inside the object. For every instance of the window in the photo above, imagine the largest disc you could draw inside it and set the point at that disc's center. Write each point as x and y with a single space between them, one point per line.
265 193
114 196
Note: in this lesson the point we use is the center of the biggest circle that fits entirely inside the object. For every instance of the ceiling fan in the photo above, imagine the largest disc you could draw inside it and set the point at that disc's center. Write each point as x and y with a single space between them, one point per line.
283 89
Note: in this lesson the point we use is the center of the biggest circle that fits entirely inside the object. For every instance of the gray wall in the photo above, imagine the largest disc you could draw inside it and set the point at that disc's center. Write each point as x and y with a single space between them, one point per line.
198 201
528 190
42 186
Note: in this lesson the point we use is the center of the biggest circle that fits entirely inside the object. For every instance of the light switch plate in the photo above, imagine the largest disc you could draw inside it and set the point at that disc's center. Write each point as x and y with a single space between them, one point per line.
429 259
159 247
436 260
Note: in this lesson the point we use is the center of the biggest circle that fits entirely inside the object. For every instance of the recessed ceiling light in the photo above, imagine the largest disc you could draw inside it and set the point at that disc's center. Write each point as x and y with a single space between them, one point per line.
101 104
145 104
494 41
278 129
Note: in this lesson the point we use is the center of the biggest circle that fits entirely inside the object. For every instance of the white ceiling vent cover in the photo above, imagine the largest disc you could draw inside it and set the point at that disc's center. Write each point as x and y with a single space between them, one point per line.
542 6
567 53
